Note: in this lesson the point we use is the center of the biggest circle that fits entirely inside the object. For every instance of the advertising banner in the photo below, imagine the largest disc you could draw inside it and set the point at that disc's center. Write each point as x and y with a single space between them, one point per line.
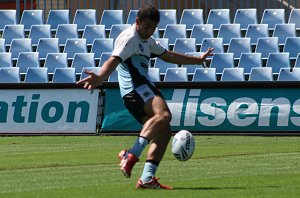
48 111
217 109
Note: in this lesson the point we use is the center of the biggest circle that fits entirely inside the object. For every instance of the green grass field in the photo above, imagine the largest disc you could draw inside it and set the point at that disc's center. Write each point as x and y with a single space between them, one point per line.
222 166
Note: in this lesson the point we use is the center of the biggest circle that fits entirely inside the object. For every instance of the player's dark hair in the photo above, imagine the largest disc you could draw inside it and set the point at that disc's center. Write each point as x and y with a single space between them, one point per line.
148 12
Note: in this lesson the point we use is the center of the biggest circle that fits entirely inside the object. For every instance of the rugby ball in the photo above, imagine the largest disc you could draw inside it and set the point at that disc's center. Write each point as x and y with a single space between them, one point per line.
183 145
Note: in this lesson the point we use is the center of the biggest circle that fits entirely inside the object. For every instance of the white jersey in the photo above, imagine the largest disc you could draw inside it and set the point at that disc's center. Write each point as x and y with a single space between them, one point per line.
135 54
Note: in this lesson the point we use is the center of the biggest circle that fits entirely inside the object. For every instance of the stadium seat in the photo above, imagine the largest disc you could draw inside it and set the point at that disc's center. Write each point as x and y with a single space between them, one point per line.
2 45
111 17
10 75
131 17
39 31
167 17
66 31
284 31
113 76
57 17
249 60
267 45
31 17
92 32
26 60
20 45
191 17
102 45
255 31
176 75
292 46
8 17
116 29
294 18
199 32
56 60
261 74
84 17
75 46
297 62
216 17
233 74
95 70
154 74
237 46
163 66
5 59
183 45
245 17
221 61
47 45
11 32
273 17
163 42
191 68
64 75
36 75
287 74
277 61
174 31
205 75
103 58
229 31
216 43
82 60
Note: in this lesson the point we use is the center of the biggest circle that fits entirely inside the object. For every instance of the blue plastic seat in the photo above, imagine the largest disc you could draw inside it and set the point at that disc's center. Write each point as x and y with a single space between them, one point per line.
47 45
245 17
64 75
261 74
5 59
2 45
11 32
204 75
284 31
237 46
36 75
163 42
294 18
191 68
201 31
167 17
84 17
216 43
277 61
58 17
111 17
31 17
131 17
74 46
287 74
10 75
233 74
116 29
229 31
250 60
20 45
39 31
217 17
154 74
26 60
256 31
273 17
102 45
292 46
8 17
113 77
176 75
95 70
221 61
92 32
267 45
66 31
297 61
56 60
103 58
183 45
174 31
163 66
191 17
82 60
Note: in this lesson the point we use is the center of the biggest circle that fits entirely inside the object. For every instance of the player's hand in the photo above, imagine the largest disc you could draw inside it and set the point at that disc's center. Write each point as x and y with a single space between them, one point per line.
205 55
91 81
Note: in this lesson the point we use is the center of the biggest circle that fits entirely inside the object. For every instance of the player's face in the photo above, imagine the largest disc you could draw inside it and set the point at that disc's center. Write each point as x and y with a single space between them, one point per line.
146 28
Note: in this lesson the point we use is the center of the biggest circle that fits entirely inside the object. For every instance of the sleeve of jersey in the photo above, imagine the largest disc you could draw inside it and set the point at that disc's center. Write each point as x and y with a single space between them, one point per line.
156 49
123 49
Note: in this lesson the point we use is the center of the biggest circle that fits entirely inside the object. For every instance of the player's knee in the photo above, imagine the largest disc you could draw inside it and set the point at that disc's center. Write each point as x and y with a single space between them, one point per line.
165 118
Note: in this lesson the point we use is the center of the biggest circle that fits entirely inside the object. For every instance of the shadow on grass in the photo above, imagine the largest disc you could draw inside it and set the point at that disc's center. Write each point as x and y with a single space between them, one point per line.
210 188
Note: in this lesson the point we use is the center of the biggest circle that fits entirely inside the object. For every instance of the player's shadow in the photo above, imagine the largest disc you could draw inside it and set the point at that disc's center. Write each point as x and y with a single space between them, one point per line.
209 188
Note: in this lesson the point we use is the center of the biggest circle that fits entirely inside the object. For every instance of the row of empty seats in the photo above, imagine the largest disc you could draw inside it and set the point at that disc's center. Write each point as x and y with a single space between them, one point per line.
68 75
